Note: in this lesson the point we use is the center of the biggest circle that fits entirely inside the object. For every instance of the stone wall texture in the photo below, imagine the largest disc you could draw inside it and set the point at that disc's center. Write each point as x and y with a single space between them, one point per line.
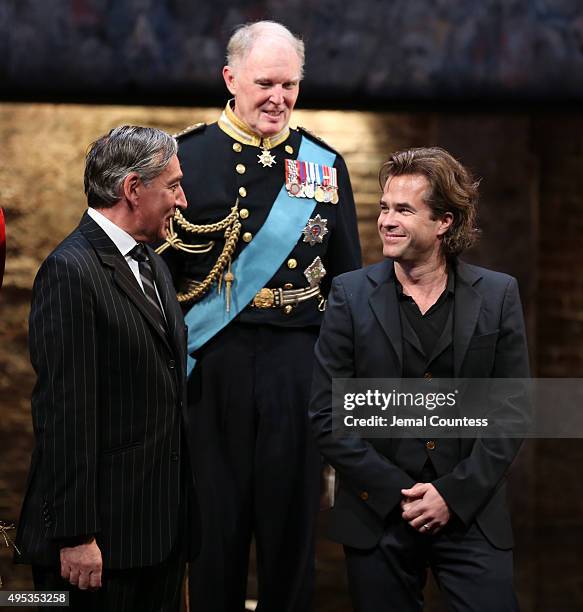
531 167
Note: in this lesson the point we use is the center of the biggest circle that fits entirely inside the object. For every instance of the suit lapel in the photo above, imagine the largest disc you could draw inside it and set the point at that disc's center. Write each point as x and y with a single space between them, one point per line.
122 274
384 304
467 304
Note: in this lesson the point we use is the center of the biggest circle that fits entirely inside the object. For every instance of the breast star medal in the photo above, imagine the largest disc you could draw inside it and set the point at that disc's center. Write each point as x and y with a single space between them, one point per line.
315 230
266 159
315 272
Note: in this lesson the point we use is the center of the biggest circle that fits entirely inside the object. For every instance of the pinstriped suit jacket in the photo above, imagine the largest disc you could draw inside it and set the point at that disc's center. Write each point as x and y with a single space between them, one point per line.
108 407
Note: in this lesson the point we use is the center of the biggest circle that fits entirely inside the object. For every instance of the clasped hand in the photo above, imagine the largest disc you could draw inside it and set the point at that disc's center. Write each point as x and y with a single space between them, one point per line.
424 508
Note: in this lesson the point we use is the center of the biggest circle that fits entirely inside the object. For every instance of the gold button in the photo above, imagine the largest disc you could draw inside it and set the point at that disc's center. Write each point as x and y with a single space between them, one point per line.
247 237
364 495
428 375
243 213
292 263
242 192
289 149
430 444
237 147
288 308
240 168
288 286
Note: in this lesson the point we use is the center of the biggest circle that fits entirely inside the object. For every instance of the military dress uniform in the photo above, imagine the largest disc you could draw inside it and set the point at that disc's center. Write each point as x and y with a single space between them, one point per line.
256 464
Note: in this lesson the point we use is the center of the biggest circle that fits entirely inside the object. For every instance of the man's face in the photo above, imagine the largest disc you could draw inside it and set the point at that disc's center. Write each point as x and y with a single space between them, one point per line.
265 85
158 200
407 230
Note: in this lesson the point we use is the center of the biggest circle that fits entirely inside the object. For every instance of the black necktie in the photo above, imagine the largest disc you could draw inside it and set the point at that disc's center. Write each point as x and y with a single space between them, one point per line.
140 255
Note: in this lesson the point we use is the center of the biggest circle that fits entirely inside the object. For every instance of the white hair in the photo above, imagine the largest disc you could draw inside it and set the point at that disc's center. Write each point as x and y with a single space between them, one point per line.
245 36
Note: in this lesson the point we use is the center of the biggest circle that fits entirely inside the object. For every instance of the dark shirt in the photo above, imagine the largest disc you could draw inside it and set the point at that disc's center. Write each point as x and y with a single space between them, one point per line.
427 327
428 353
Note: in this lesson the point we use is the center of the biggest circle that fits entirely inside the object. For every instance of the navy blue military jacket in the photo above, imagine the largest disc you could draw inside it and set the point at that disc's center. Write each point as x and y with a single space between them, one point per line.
218 168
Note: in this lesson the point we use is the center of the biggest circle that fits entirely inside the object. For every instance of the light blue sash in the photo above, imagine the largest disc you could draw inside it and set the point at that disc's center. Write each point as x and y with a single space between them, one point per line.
259 261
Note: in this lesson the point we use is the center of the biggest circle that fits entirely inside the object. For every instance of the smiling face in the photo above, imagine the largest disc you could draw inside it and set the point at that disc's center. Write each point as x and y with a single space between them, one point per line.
408 231
158 199
265 85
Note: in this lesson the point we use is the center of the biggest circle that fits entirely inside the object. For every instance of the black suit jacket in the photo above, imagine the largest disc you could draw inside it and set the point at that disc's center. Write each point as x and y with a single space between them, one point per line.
108 407
361 337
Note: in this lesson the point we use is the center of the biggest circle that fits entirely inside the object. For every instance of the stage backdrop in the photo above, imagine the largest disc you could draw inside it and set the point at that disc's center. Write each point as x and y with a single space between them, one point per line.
531 167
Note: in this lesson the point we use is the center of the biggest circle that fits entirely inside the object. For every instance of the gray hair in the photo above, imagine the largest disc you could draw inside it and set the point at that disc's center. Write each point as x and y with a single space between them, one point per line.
245 36
126 149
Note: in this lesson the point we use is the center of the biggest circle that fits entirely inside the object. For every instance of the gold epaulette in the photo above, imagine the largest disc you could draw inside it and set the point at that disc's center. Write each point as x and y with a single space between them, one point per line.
304 130
195 127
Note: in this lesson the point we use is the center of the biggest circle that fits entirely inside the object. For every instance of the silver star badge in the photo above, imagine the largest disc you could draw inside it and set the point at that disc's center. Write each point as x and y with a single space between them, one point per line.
315 230
315 272
266 159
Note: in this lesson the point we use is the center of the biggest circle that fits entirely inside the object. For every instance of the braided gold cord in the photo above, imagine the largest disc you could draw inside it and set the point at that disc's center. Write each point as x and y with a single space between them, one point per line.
198 289
211 227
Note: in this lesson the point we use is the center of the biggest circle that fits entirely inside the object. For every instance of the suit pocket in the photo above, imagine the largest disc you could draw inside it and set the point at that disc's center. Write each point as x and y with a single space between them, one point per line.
479 360
118 450
484 341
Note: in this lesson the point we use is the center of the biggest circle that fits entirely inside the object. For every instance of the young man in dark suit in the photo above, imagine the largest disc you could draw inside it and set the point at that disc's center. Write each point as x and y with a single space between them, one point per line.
407 504
110 485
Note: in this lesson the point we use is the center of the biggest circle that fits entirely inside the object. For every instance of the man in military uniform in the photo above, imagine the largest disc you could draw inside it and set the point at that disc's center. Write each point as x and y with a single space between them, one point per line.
272 222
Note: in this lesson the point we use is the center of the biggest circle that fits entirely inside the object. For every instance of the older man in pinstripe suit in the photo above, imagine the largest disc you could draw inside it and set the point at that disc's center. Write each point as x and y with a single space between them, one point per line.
110 485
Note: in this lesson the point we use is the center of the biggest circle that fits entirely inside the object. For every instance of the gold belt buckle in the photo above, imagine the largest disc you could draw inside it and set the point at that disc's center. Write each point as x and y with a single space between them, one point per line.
264 298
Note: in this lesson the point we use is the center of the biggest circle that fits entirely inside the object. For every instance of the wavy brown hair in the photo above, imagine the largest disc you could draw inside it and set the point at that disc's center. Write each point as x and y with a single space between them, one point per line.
452 189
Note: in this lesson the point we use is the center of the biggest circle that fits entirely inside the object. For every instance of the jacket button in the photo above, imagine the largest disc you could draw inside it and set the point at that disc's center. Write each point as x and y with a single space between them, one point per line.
292 263
237 147
430 444
240 168
244 213
172 364
247 237
364 495
242 192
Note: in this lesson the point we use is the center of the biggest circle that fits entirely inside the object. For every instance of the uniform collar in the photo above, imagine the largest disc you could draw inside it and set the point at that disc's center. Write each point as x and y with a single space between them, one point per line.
235 128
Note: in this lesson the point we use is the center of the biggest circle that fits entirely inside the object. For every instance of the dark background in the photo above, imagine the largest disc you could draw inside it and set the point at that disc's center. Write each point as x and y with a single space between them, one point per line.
370 52
498 83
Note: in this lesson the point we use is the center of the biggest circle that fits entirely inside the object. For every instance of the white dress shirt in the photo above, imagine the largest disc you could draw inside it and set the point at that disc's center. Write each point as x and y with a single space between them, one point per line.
124 243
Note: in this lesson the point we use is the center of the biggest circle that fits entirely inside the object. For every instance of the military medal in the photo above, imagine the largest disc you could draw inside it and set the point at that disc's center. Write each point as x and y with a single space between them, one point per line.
266 159
315 230
315 272
306 179
291 178
334 186
330 183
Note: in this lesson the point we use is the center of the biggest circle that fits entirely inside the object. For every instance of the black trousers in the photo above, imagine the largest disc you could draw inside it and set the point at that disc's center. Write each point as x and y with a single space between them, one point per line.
146 589
256 468
472 574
